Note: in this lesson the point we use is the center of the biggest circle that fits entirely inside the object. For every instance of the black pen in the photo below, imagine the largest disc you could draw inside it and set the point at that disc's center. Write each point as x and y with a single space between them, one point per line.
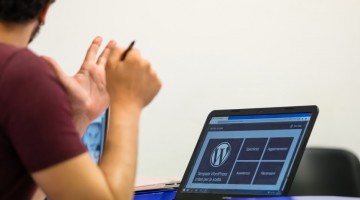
123 56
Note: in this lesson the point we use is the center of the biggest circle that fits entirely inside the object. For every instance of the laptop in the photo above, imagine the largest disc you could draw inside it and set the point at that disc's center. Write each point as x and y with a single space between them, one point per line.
247 153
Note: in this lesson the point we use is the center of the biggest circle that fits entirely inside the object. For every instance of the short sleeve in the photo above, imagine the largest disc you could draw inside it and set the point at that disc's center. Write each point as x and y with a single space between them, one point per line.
37 115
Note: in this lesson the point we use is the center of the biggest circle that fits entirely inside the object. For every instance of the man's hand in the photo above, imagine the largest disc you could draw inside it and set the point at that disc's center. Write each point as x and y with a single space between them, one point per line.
132 81
87 88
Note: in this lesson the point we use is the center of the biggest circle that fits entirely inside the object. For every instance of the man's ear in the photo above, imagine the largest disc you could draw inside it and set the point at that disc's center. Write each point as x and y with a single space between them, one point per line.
43 13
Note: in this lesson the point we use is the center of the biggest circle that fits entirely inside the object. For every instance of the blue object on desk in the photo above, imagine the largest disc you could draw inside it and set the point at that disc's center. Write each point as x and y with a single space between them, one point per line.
168 194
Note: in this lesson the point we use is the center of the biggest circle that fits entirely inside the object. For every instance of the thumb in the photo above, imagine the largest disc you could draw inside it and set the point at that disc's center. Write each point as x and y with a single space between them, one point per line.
56 69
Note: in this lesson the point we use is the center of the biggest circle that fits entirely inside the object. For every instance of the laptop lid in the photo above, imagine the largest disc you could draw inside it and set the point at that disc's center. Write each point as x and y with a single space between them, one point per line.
247 152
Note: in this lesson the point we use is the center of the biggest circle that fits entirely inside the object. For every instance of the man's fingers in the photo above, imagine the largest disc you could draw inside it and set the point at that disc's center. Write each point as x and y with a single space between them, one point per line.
105 53
114 57
133 55
93 50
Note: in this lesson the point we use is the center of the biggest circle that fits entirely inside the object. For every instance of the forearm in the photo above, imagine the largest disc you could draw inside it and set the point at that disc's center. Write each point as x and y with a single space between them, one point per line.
120 153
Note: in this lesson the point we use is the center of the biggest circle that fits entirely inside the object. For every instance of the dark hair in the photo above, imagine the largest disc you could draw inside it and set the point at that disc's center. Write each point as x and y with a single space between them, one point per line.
21 11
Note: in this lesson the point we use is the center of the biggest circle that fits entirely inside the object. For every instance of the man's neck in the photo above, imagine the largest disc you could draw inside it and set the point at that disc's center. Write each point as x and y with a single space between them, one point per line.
16 34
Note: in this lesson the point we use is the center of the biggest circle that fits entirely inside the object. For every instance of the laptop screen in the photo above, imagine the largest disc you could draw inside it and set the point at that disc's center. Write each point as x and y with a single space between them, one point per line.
247 154
94 137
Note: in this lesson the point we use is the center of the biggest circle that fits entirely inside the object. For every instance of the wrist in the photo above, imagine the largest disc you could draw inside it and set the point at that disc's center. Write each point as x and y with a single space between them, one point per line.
81 123
125 106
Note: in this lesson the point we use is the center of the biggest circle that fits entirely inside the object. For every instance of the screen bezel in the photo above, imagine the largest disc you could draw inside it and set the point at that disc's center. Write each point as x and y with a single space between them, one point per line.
312 109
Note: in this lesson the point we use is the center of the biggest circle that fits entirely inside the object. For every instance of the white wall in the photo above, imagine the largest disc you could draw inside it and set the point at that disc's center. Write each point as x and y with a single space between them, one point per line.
216 54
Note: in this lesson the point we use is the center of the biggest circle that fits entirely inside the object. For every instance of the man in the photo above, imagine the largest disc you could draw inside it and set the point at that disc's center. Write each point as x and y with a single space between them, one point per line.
42 115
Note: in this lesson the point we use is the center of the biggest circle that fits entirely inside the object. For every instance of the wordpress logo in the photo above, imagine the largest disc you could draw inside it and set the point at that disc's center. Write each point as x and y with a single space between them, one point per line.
220 154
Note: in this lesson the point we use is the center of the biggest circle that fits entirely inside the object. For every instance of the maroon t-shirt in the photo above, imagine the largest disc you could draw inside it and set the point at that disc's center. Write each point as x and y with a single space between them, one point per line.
36 128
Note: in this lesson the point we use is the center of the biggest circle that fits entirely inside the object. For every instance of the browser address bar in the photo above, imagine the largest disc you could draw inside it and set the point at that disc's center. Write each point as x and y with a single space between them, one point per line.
258 120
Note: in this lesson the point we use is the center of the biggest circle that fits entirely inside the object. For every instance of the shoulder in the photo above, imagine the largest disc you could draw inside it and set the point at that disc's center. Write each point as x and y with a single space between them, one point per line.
24 63
26 76
22 69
